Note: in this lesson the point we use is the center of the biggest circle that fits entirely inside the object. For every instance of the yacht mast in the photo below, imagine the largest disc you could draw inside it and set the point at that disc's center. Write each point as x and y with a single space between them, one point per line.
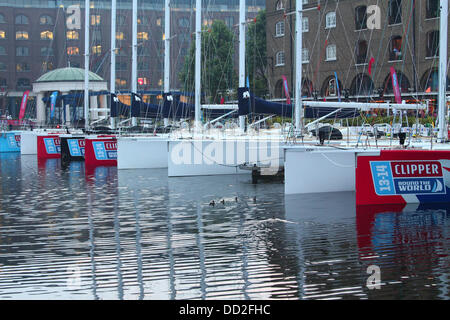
86 64
242 16
113 54
443 33
298 66
134 120
198 67
167 36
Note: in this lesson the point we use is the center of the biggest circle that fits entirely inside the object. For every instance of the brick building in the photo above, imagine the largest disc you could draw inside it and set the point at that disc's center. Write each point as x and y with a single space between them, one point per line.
343 37
34 39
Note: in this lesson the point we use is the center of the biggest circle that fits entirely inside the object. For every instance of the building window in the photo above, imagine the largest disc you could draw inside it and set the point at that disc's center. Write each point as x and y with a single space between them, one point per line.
73 51
120 35
96 35
121 83
142 35
121 66
72 35
432 43
47 51
361 52
22 67
21 19
143 51
331 52
305 55
279 29
280 59
46 35
3 83
2 34
183 22
2 51
305 24
97 50
22 51
2 18
22 35
47 66
330 20
280 5
396 49
395 11
95 20
361 18
46 20
121 20
23 83
2 66
330 88
143 21
433 8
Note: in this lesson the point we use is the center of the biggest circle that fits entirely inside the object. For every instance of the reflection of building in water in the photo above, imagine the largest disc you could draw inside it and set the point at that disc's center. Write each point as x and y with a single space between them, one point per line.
410 245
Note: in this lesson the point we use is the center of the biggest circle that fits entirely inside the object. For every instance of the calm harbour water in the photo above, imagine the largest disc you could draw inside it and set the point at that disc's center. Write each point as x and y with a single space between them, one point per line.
136 234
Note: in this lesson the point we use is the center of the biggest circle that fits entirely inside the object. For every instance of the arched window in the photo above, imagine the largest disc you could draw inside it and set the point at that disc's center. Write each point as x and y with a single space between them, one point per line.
307 88
403 82
280 5
361 52
395 52
280 59
361 18
330 88
46 20
279 93
433 43
21 19
279 29
430 81
361 85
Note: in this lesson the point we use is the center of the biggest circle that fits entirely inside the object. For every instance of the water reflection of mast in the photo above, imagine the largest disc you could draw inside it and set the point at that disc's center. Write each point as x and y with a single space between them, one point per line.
201 250
173 292
118 249
92 244
244 256
138 248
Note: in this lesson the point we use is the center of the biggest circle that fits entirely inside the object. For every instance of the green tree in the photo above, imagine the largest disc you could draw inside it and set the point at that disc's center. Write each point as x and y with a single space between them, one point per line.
218 74
257 55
